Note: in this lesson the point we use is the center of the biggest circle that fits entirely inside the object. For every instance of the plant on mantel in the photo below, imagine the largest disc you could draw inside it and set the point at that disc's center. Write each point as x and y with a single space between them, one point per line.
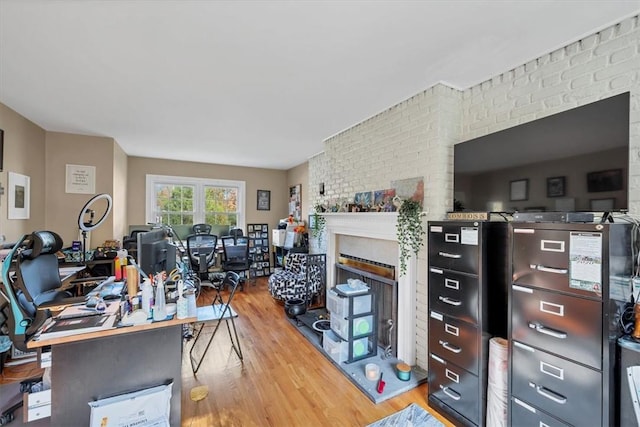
410 231
320 222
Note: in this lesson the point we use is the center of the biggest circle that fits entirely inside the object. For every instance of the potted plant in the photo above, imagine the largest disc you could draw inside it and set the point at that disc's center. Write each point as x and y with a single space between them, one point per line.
318 221
410 231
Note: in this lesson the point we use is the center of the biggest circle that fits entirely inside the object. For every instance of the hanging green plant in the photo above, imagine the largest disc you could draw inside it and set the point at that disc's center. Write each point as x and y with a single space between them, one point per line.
318 222
410 231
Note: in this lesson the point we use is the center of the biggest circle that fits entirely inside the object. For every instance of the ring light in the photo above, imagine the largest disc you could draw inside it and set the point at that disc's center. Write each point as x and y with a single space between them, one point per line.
86 227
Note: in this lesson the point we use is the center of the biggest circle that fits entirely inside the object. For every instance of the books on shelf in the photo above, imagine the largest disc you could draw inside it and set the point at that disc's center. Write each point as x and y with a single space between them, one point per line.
57 328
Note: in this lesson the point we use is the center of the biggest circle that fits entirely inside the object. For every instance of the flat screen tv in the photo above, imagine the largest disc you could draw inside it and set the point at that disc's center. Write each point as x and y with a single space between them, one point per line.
576 160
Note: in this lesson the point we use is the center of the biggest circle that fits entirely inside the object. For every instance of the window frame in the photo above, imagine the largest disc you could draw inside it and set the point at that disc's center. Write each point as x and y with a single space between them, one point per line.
198 194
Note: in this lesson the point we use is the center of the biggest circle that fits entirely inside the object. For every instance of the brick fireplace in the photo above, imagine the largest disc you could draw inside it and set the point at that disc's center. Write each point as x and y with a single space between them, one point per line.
373 236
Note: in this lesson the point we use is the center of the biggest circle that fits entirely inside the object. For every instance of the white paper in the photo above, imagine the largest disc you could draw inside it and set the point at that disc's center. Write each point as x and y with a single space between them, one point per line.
585 258
150 407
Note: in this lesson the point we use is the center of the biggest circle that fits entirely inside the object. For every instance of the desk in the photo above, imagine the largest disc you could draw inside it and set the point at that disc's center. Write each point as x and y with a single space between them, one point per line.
98 364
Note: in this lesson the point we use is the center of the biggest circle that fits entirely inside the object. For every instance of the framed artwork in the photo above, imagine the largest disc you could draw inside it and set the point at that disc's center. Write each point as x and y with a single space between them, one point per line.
602 205
519 190
19 196
312 222
609 180
1 148
555 186
295 201
264 200
80 179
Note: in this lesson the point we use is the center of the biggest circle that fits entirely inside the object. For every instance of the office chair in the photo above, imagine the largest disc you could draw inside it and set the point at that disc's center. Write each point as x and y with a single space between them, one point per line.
31 282
235 256
201 249
201 229
236 232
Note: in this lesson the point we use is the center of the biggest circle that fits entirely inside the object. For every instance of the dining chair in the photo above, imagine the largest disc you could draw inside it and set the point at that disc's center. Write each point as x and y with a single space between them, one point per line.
211 317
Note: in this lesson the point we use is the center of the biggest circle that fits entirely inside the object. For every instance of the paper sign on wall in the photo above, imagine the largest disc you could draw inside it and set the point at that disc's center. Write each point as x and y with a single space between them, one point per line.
80 179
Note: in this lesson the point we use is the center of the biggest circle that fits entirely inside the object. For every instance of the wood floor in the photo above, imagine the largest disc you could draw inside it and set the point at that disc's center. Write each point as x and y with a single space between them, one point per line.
283 380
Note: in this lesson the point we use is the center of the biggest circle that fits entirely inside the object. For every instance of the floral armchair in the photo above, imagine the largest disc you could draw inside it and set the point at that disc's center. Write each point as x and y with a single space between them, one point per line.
303 277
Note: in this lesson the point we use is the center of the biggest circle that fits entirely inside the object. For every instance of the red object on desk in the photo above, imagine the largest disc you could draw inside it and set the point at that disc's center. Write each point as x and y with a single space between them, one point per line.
381 385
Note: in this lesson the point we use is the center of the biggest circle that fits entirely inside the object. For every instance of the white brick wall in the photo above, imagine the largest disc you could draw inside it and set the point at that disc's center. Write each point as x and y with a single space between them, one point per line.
414 138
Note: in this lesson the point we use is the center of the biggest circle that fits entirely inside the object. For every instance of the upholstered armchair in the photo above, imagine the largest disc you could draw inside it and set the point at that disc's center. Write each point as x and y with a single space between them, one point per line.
303 277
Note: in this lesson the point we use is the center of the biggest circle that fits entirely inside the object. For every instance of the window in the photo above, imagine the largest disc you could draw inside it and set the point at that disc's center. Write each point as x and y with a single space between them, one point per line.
177 200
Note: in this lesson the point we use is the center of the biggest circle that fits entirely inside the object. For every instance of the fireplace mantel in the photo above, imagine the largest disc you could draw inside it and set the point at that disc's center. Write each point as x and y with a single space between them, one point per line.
378 225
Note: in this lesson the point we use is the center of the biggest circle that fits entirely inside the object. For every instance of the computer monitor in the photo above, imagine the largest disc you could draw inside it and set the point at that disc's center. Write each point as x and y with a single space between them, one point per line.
155 252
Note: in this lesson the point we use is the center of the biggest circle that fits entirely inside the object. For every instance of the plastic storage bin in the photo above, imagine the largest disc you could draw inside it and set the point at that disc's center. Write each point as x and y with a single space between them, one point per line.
338 348
339 305
334 346
361 326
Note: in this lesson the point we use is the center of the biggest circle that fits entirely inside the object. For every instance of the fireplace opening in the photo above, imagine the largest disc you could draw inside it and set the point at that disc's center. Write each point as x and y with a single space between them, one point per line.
381 278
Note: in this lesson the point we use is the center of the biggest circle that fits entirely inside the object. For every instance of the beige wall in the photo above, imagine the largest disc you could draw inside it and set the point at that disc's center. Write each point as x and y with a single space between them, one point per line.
255 179
24 153
64 208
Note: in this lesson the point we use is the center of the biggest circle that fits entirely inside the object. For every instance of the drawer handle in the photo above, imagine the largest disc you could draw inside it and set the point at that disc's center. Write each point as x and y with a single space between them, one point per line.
450 301
449 347
551 269
448 255
548 331
545 392
451 393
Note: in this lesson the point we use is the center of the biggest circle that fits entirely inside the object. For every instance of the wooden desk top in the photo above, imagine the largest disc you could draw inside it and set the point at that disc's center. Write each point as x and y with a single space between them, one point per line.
110 332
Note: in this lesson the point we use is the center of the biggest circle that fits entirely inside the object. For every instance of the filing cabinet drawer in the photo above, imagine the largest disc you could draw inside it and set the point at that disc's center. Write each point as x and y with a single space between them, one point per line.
454 340
558 323
541 258
454 294
525 415
454 247
563 388
455 387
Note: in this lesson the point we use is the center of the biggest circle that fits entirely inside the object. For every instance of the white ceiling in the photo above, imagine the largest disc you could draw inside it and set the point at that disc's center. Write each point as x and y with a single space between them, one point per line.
260 83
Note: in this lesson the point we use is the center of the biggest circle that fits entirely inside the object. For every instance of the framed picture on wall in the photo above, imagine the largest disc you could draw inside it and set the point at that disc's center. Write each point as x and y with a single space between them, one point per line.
264 200
609 180
555 186
519 190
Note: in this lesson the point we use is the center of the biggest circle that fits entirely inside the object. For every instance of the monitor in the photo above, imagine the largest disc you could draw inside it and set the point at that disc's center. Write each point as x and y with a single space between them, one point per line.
155 252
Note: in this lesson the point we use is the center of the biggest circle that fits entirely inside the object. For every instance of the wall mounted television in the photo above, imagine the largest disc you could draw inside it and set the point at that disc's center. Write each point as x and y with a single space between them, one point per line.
576 160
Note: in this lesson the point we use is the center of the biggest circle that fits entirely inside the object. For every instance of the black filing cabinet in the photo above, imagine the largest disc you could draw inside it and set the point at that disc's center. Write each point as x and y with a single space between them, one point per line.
468 282
569 283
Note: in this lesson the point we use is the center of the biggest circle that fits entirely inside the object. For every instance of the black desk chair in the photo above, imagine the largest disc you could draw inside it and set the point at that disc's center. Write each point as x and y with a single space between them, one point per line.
31 284
201 249
235 256
201 229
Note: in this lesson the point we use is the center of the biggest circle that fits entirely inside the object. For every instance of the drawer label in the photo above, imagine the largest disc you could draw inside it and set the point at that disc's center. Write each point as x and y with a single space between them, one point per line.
469 236
585 262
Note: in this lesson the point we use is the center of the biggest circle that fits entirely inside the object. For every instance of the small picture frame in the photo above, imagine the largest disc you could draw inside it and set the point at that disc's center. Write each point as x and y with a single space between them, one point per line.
264 200
556 186
519 190
312 222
